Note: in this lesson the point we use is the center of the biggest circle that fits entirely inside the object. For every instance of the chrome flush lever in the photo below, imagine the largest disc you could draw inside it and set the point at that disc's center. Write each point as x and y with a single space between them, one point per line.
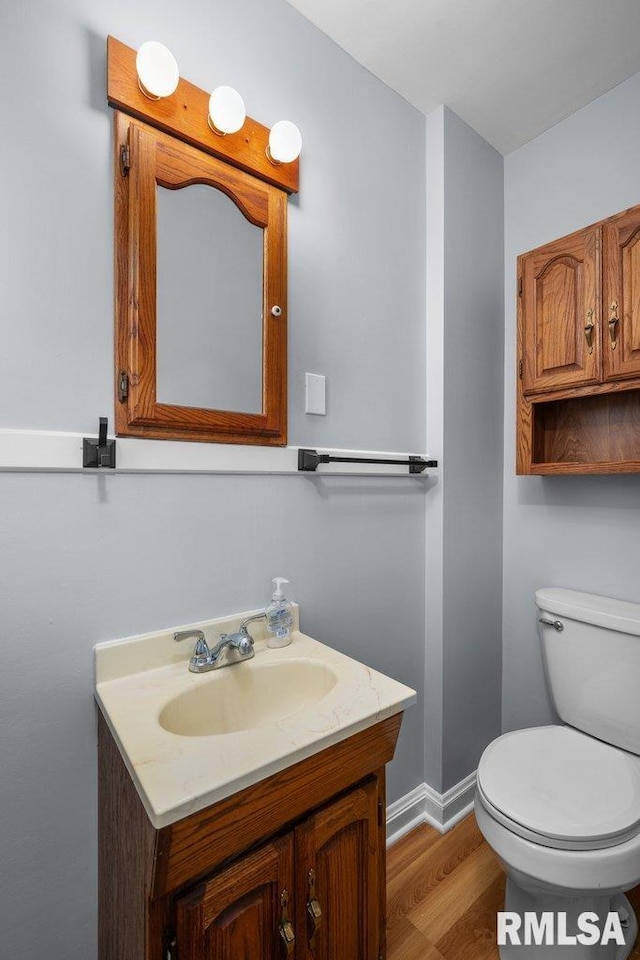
556 624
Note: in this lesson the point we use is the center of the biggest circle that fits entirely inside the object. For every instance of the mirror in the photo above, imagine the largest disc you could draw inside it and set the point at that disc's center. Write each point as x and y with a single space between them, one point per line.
201 324
208 301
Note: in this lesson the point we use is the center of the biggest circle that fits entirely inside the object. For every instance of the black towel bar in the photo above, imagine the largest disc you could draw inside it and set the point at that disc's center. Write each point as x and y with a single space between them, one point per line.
308 461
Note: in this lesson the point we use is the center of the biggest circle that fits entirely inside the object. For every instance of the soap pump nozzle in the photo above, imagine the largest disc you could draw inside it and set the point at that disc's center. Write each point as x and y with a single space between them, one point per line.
278 581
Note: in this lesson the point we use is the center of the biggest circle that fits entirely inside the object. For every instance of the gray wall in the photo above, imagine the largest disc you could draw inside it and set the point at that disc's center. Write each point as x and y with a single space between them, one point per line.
88 558
474 318
581 532
464 426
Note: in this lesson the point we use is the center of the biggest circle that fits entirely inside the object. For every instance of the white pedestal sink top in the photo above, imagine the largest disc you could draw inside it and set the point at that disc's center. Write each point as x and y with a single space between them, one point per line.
190 740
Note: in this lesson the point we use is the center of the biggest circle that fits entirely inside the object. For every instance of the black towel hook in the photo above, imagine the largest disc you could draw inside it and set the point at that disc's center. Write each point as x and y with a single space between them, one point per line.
100 453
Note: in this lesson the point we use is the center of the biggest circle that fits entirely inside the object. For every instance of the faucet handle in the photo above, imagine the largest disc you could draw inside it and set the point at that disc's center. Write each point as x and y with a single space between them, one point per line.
242 641
248 620
201 648
245 644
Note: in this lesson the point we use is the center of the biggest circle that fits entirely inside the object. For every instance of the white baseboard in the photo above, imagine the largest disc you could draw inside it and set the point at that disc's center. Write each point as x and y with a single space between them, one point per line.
426 805
405 814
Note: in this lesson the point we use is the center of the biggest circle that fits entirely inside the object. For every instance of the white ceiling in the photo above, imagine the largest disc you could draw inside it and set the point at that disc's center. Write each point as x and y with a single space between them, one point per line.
510 68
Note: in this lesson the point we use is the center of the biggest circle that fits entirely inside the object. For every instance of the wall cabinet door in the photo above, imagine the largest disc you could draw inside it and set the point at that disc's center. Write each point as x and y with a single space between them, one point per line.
560 313
241 912
339 869
621 295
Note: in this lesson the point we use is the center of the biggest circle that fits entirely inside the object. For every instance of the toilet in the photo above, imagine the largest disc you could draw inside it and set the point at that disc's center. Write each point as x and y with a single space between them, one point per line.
560 805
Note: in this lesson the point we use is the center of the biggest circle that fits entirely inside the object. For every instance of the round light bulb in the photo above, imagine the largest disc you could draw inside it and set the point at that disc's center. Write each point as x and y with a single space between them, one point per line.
227 112
158 73
285 142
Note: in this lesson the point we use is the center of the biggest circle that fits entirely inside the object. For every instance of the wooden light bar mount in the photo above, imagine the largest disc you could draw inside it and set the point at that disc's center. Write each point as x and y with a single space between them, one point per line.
184 115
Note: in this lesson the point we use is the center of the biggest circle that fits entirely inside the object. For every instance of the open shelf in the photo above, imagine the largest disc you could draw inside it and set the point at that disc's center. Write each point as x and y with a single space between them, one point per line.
598 434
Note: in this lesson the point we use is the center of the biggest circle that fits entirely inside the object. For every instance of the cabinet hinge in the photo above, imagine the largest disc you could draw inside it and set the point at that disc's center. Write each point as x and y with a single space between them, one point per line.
520 368
380 814
125 159
171 950
123 386
520 286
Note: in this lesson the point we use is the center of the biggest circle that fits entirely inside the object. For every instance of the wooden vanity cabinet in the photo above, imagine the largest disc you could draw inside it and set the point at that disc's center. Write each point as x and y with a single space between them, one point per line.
579 351
293 867
238 912
313 894
340 870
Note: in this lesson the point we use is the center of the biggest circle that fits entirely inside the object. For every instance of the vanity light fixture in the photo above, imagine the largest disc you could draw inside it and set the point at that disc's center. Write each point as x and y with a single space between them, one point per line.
157 69
140 83
285 143
227 111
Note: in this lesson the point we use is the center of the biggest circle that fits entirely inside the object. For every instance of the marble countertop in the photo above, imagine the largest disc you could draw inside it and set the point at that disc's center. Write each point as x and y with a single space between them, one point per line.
178 775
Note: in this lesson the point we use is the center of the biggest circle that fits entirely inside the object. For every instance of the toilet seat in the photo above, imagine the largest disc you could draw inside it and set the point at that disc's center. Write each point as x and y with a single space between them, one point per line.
560 788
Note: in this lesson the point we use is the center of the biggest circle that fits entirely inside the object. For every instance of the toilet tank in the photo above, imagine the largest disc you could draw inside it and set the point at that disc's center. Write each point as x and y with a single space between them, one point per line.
593 663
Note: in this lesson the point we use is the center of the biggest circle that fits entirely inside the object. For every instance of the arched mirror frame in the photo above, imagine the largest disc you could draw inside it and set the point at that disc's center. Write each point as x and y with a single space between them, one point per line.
175 148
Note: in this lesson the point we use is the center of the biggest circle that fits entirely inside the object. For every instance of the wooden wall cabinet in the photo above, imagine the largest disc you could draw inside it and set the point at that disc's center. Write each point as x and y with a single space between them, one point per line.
293 867
561 313
167 144
579 351
156 160
621 295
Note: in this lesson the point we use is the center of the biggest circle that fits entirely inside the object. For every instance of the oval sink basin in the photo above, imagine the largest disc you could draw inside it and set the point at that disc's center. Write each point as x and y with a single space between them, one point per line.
246 696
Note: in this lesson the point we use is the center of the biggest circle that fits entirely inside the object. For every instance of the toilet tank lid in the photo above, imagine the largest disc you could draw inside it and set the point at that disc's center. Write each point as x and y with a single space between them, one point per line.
589 608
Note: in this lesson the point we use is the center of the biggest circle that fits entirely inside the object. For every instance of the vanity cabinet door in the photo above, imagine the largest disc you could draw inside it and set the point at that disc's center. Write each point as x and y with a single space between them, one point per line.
621 295
339 873
560 343
241 912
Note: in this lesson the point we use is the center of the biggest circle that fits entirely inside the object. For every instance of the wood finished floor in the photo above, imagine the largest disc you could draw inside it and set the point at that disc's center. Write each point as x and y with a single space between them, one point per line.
443 893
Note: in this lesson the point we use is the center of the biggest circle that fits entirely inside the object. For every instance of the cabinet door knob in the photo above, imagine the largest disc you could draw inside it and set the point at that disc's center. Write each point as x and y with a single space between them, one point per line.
287 934
588 331
613 325
314 911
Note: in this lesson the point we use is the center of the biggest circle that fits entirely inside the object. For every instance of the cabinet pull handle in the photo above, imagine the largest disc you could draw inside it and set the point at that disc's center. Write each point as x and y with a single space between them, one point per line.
287 935
588 330
613 325
314 912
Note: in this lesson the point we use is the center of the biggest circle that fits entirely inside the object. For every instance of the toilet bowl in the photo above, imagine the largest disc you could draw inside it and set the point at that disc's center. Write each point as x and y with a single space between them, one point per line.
560 805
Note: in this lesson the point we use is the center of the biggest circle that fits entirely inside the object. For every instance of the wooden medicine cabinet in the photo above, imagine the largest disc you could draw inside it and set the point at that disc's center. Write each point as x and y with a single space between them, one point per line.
579 352
200 270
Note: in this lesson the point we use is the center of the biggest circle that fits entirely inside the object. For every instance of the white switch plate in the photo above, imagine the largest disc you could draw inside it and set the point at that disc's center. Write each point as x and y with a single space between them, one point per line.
315 394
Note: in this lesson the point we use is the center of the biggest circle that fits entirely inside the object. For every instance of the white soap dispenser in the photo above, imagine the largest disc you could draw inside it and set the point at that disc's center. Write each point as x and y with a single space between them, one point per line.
279 616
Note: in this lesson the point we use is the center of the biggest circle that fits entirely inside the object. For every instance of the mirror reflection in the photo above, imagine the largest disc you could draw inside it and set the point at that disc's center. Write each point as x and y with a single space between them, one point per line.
209 301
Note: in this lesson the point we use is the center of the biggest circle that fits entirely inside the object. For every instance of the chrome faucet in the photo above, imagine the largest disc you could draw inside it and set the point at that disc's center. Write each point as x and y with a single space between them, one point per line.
230 648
